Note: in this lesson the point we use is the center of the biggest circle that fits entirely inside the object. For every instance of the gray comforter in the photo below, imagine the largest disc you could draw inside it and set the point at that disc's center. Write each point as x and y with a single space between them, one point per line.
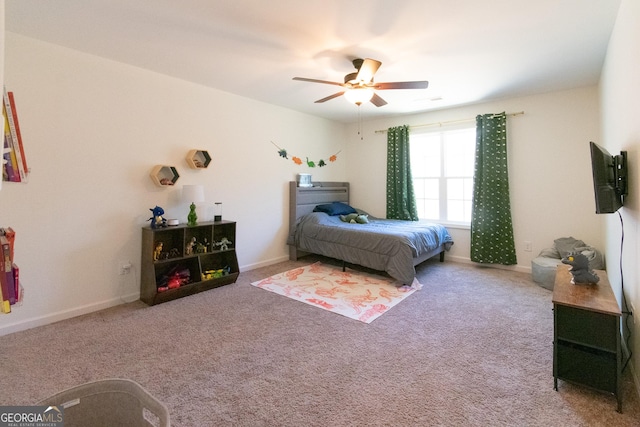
382 244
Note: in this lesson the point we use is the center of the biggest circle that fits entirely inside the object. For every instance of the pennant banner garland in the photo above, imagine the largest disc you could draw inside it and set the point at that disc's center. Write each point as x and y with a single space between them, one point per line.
298 161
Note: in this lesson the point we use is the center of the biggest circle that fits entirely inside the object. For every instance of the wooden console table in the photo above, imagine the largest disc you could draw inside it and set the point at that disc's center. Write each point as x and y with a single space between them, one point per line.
586 338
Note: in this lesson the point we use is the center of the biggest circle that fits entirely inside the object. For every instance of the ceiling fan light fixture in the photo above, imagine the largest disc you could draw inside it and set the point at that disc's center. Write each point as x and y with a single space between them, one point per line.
359 95
359 86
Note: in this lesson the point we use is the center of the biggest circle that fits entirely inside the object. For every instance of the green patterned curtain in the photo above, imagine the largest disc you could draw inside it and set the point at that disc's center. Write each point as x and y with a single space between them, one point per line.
491 228
401 200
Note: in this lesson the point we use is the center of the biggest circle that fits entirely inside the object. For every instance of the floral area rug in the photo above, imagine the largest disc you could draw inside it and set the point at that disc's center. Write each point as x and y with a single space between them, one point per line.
357 295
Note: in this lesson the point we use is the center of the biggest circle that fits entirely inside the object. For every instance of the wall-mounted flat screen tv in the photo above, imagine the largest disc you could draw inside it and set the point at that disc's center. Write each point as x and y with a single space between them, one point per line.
609 179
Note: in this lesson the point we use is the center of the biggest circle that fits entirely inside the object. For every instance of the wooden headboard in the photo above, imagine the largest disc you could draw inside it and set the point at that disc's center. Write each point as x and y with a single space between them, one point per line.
302 200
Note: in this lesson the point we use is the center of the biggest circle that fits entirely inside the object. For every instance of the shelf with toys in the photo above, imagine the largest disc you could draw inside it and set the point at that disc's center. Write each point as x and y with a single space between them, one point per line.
183 260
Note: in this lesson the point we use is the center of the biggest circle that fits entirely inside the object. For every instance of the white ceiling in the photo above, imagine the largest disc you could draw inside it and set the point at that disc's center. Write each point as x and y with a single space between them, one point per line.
468 50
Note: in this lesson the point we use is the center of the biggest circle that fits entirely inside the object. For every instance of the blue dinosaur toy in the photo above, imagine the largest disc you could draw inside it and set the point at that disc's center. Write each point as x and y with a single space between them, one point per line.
157 221
580 270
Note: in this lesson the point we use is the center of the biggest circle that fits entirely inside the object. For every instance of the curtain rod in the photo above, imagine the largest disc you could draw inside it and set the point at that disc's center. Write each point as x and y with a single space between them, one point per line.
449 122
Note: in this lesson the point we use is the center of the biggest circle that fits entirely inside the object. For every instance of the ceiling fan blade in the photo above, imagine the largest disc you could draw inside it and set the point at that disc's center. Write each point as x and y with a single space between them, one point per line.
377 101
303 79
335 95
401 85
367 70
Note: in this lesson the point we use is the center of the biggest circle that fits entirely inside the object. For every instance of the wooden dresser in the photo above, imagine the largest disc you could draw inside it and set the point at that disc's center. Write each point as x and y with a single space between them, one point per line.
586 339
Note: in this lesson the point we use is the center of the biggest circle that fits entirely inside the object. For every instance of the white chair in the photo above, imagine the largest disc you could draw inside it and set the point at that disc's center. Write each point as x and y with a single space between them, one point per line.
109 403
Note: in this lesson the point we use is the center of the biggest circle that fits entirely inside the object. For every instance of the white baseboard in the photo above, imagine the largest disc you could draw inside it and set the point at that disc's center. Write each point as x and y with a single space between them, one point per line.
518 268
266 263
65 314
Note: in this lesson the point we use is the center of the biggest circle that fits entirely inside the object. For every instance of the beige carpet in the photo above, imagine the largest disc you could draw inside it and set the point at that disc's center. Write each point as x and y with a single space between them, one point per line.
472 348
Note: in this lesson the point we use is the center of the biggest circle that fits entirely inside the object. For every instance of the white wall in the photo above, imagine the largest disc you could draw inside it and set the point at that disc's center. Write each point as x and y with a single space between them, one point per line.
549 167
620 86
93 130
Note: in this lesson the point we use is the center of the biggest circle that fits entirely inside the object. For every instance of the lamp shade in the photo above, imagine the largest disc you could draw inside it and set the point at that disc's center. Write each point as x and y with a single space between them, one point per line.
192 193
359 95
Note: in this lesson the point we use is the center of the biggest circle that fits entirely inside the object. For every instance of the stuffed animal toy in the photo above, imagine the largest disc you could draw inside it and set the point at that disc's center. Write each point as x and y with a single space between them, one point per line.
580 269
355 218
157 221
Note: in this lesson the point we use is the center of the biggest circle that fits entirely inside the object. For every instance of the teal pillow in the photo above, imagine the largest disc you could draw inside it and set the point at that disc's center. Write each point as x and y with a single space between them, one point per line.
335 208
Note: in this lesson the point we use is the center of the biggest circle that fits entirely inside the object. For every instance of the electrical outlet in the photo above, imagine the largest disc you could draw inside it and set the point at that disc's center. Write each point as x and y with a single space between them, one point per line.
528 247
125 268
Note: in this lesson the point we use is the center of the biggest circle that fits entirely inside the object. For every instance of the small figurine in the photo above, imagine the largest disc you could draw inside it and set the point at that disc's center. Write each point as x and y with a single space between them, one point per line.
580 270
157 221
157 251
189 249
192 218
224 244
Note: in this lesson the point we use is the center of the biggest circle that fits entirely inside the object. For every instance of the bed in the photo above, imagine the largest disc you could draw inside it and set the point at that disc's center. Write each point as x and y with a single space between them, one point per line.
393 246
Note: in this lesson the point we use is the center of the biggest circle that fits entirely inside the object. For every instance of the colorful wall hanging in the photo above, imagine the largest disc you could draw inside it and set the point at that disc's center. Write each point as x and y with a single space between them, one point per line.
298 160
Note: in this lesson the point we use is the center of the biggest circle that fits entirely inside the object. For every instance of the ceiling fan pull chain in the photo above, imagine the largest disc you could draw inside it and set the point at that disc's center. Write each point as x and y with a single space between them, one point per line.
360 122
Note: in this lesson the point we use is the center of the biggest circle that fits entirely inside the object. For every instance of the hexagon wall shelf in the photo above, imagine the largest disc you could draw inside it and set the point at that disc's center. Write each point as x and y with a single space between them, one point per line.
198 159
164 176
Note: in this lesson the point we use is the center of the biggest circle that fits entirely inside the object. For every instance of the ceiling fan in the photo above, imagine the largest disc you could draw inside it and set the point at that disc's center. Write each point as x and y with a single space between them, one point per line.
359 86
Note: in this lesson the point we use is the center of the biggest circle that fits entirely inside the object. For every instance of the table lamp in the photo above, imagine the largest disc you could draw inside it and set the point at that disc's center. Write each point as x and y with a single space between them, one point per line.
192 194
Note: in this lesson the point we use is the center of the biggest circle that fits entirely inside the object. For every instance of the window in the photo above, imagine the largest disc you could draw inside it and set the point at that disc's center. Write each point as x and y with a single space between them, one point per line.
442 164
